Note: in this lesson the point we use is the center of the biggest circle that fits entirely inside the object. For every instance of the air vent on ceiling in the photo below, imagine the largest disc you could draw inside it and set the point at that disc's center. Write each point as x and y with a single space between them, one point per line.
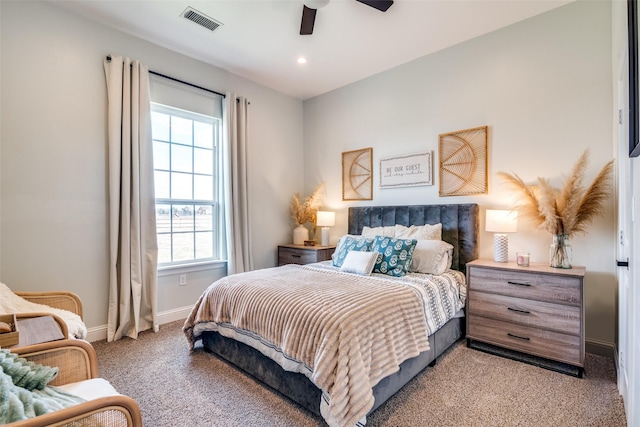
201 19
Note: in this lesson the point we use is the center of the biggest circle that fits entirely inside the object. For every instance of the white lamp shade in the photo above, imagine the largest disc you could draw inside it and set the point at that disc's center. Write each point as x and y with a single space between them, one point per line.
501 221
315 4
325 219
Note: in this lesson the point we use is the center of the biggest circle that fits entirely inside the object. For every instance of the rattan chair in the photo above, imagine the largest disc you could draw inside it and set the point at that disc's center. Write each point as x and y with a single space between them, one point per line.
76 361
56 299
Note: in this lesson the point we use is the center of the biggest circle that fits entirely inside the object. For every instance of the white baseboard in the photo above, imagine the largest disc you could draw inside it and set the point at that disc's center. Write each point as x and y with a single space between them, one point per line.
173 315
98 333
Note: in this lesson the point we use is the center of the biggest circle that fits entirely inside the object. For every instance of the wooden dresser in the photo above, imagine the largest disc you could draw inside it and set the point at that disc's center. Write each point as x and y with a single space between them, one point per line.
535 310
296 254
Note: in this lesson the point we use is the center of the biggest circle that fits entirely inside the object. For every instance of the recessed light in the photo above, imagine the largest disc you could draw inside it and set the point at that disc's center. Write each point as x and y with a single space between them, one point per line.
302 60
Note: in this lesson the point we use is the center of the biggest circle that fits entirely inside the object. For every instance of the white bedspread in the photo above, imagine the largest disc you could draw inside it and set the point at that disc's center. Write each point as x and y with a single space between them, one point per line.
11 303
348 331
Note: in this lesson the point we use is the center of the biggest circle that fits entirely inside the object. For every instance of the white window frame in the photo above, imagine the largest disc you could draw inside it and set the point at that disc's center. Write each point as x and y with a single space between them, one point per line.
175 267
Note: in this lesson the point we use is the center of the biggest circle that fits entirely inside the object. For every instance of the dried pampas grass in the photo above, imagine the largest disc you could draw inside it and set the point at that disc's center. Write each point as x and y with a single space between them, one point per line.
303 211
567 211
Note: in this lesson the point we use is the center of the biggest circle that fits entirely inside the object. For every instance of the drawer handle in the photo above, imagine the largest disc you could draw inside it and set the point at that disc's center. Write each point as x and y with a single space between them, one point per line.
518 337
518 283
518 311
296 256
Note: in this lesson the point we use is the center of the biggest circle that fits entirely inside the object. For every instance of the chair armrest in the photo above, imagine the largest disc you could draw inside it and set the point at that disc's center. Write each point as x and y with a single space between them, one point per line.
106 411
61 323
76 359
56 299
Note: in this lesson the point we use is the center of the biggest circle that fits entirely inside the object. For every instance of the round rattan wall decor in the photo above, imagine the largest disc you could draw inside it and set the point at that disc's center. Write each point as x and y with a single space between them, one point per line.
463 162
357 169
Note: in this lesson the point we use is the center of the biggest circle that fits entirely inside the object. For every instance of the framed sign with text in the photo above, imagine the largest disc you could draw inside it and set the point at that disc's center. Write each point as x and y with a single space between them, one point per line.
406 171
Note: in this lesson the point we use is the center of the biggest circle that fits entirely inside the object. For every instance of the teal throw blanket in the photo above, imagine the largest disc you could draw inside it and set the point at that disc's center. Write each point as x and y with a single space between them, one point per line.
24 392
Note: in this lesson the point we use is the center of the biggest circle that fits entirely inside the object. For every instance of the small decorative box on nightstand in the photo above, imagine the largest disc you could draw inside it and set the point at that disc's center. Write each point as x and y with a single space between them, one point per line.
296 254
535 310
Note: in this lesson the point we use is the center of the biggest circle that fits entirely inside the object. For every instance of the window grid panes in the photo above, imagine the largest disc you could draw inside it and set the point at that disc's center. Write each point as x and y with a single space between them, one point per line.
185 159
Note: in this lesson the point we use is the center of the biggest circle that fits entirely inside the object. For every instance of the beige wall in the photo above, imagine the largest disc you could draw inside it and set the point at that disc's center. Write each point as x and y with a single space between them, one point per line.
544 88
53 143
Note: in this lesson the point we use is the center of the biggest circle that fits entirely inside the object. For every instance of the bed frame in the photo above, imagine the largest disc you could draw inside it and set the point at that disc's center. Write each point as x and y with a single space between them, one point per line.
459 228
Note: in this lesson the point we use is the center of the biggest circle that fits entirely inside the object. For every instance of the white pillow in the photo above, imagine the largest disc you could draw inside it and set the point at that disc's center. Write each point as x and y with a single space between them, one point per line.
419 232
431 257
348 243
359 262
379 231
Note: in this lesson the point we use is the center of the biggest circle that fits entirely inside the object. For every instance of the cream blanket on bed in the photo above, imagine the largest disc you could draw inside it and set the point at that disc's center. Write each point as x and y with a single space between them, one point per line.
350 330
11 303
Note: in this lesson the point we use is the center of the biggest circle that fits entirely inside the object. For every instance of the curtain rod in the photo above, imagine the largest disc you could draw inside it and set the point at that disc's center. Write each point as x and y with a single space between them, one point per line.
180 81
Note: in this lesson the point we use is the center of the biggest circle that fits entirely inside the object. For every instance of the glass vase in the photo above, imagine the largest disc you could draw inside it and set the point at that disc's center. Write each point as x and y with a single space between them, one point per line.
560 251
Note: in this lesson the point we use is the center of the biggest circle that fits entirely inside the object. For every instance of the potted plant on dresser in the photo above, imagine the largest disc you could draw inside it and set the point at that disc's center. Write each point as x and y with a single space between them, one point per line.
564 212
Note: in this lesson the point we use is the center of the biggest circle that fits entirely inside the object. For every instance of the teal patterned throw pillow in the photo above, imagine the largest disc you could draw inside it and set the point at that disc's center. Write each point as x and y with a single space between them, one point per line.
349 243
394 255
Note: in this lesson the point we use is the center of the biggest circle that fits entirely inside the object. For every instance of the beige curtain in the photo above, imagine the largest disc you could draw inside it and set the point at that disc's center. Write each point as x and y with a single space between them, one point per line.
235 184
132 222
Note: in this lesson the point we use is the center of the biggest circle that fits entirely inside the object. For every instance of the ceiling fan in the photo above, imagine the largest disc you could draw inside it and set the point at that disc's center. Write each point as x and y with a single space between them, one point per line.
309 12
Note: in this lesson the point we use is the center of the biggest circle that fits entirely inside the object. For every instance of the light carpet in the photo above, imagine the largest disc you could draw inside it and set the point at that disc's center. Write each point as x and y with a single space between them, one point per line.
466 388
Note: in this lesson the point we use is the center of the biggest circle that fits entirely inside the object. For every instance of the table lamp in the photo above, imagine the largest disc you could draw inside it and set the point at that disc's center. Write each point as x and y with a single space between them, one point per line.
501 222
325 220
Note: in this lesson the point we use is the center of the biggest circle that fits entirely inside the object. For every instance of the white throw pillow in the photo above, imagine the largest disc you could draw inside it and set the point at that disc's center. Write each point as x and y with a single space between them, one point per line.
379 231
348 243
419 232
359 262
431 257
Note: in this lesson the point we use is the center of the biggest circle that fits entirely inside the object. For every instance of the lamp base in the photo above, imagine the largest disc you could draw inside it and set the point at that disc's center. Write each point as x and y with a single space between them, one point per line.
500 247
324 236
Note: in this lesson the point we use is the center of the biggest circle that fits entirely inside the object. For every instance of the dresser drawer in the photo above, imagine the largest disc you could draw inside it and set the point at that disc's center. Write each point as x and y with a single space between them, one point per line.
538 286
296 256
560 318
539 342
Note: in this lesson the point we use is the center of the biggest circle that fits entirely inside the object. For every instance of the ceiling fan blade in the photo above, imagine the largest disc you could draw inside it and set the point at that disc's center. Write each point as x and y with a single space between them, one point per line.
381 5
308 20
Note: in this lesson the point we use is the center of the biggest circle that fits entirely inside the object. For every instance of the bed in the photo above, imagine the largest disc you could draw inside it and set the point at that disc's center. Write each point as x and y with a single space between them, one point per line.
345 400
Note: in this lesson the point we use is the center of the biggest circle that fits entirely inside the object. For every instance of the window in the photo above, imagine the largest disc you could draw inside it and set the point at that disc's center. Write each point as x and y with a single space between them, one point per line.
186 168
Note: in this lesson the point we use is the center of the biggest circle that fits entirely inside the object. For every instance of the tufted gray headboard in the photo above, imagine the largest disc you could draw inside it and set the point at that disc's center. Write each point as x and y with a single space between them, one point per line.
459 224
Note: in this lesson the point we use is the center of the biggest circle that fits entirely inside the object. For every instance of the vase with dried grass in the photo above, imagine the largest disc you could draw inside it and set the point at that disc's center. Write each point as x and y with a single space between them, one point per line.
303 212
564 212
560 251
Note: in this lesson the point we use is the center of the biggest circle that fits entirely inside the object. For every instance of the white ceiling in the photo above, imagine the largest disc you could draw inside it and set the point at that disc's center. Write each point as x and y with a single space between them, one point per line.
260 40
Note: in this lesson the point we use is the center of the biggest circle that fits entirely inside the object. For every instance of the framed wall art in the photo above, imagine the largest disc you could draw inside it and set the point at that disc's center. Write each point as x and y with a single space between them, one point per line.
406 171
463 162
357 167
634 83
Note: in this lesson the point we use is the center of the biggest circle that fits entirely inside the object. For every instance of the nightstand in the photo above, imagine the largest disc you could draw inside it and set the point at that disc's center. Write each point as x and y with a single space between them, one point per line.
535 311
297 254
